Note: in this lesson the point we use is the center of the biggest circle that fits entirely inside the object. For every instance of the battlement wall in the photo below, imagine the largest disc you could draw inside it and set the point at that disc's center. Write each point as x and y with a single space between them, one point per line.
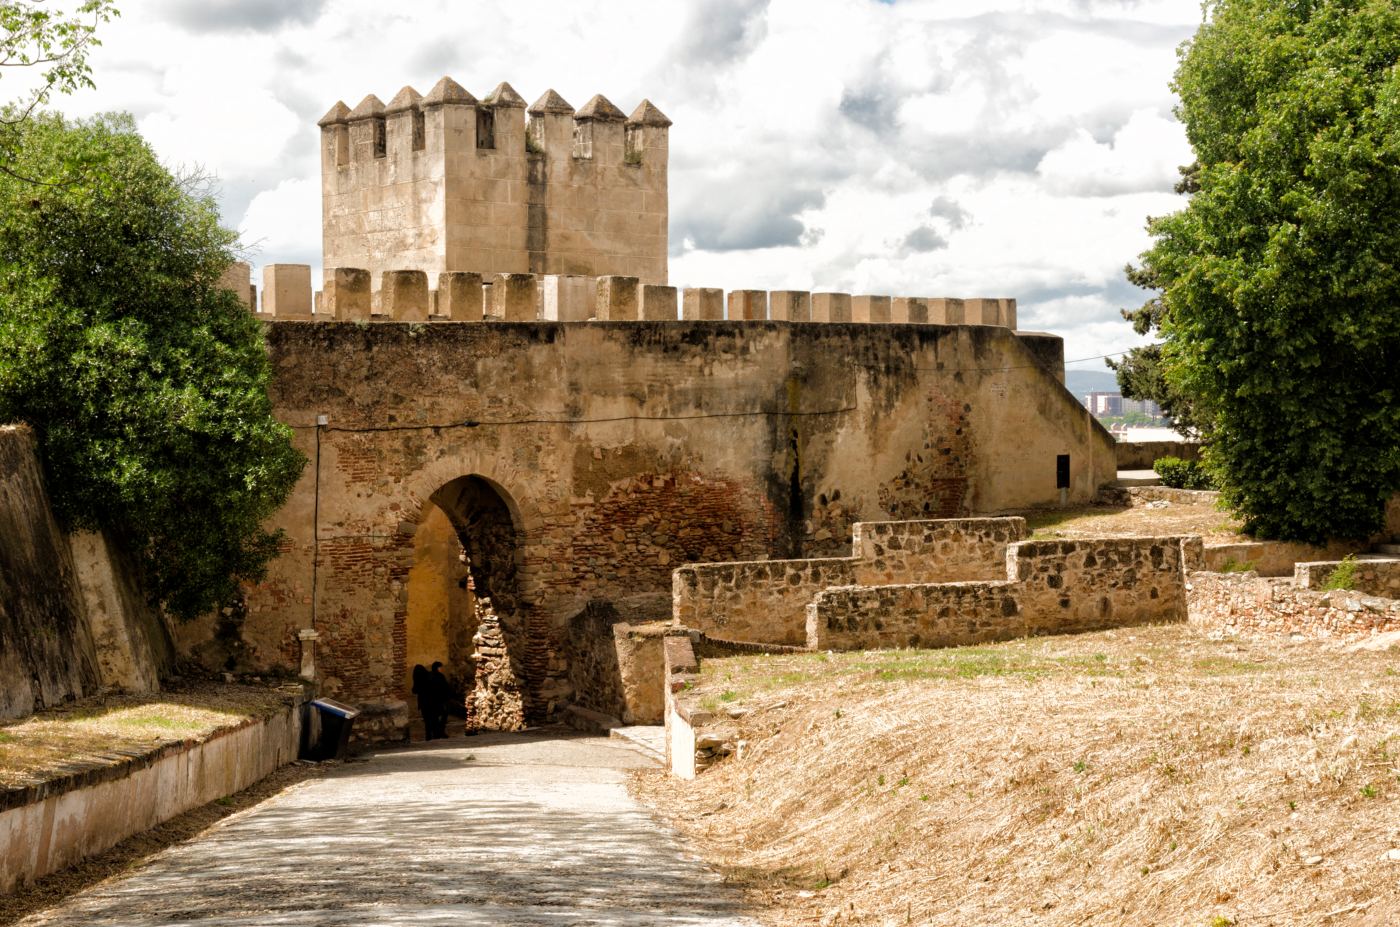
403 295
446 182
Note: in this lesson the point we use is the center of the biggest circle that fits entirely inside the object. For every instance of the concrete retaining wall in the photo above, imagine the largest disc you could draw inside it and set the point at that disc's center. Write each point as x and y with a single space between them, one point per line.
46 827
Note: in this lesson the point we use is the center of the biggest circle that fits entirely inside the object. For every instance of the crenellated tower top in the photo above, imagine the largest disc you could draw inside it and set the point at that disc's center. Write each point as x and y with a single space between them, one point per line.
448 182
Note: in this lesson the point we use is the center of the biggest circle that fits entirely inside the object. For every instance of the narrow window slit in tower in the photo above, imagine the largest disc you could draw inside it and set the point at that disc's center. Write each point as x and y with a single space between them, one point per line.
485 128
381 145
419 141
583 140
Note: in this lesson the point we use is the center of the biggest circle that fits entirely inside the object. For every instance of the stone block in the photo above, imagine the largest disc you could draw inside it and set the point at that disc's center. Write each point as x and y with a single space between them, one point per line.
944 311
238 278
906 310
790 305
514 297
287 290
459 297
870 308
616 299
568 298
658 303
404 295
1008 313
981 311
831 307
749 305
346 293
699 303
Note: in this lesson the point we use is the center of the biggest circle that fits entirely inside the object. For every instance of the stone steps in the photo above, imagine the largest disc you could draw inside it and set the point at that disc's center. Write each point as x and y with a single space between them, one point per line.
1128 478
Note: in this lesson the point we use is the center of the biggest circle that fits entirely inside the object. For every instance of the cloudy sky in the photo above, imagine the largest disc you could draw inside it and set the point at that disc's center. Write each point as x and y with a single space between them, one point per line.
919 147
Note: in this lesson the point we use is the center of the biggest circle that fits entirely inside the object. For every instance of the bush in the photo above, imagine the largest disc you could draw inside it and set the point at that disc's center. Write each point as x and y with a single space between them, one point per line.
1343 578
1183 474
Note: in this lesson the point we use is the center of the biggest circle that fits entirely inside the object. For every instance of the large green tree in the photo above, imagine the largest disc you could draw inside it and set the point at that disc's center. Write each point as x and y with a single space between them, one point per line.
145 382
1280 281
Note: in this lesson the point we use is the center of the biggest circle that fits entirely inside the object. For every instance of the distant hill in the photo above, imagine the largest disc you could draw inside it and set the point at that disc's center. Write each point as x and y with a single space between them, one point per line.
1083 382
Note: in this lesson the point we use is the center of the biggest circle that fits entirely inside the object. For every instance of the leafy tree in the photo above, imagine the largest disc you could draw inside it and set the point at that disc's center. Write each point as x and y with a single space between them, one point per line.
1280 281
1141 373
145 382
35 34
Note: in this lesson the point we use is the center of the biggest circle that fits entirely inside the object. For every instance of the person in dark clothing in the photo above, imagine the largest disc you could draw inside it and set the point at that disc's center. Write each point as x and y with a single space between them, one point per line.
441 691
423 688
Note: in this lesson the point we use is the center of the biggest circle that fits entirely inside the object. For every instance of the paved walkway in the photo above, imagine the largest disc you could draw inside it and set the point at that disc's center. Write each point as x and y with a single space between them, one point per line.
500 829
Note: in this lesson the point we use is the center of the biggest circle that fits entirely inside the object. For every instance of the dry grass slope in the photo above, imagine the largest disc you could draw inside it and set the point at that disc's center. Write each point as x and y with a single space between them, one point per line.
1143 776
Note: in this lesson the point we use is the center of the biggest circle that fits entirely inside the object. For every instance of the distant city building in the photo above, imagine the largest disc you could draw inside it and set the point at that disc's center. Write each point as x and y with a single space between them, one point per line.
1106 405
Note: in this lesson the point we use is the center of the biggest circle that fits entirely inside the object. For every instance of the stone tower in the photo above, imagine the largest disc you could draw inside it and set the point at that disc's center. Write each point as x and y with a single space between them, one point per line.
447 182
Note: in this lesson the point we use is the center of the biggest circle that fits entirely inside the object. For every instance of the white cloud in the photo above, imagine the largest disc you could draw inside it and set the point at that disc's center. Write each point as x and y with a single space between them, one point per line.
1144 155
283 225
812 138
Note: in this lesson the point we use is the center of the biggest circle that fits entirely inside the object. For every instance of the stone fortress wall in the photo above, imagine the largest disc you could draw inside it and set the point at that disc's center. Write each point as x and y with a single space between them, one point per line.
579 463
446 182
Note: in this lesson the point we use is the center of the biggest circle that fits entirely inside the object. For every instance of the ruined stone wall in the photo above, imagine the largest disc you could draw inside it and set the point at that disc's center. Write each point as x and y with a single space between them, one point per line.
1141 455
73 617
1086 585
1373 576
447 182
1273 558
1246 603
935 551
1052 587
766 601
621 450
46 649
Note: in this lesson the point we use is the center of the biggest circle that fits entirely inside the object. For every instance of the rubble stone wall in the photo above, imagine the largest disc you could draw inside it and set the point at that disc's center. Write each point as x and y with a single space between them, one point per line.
1051 587
1246 603
766 601
1378 577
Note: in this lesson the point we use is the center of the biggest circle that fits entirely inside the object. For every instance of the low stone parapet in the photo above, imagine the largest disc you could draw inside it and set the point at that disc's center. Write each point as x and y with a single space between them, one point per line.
1377 576
1050 587
1271 558
765 601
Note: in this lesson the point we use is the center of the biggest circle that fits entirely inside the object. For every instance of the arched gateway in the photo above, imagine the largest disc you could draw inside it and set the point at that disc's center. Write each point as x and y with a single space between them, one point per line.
464 607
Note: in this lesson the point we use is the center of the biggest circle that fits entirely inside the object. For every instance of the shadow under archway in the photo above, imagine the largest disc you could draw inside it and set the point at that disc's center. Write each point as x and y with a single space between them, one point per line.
484 562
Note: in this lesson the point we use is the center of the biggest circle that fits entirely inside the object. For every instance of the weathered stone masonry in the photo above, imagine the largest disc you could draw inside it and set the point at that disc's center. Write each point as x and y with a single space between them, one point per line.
618 451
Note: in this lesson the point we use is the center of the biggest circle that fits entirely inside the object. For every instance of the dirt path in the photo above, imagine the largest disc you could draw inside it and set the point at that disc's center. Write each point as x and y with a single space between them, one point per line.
524 829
